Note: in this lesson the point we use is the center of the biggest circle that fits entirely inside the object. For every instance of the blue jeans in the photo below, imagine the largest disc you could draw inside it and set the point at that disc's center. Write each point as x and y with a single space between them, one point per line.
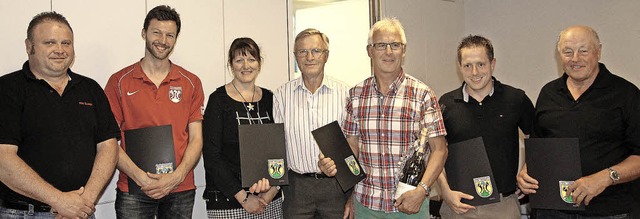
6 213
553 214
173 206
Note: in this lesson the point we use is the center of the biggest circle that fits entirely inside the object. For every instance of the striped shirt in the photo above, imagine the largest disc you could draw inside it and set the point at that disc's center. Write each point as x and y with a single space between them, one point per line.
302 112
387 124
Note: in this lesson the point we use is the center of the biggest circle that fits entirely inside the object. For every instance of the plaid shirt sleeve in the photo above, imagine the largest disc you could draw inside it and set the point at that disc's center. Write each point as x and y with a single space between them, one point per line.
349 124
432 115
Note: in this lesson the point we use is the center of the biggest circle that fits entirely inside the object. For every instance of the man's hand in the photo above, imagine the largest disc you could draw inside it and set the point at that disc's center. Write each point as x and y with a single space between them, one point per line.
260 186
269 195
526 183
254 204
348 209
162 186
72 205
588 187
326 165
452 198
411 201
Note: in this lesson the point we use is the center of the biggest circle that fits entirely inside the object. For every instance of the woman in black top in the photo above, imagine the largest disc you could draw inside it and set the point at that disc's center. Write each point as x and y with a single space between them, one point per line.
238 102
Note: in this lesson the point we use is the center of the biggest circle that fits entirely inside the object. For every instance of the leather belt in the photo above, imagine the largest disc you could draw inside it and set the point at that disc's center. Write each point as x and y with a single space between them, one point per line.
23 206
505 194
314 175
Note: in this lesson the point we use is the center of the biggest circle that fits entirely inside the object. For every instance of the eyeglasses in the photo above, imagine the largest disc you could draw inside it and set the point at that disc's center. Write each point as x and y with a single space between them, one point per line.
314 52
383 46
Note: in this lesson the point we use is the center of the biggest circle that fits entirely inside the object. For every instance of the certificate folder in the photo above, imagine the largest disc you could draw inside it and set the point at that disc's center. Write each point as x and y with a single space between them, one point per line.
469 171
555 163
151 149
263 154
333 144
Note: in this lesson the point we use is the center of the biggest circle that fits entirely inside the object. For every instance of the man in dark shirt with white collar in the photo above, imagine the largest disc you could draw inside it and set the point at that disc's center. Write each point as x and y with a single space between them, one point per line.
484 107
602 110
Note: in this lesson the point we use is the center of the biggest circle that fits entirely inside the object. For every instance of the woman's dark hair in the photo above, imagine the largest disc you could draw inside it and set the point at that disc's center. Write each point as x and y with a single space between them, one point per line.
244 46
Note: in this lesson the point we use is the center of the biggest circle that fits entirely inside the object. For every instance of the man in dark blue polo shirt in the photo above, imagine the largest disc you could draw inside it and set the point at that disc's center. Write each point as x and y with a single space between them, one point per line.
58 145
484 107
602 110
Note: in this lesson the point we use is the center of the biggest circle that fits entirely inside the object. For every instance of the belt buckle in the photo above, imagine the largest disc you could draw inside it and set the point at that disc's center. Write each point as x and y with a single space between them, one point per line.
31 209
315 175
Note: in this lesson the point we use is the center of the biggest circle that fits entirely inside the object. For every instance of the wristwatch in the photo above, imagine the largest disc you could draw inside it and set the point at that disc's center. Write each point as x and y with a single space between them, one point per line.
614 175
426 188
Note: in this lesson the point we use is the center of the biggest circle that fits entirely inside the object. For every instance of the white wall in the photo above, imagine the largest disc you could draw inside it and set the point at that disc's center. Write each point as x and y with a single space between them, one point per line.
433 29
14 27
266 23
524 35
346 27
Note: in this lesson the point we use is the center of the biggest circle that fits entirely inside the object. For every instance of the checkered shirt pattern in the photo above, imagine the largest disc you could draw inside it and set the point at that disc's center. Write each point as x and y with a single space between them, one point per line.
387 125
273 211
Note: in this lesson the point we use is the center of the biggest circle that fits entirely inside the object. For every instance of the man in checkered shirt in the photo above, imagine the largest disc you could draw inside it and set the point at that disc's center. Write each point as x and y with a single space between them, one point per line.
385 114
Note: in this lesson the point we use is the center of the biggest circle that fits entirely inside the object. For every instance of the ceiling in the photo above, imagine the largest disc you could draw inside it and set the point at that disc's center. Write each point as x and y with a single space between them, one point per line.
302 4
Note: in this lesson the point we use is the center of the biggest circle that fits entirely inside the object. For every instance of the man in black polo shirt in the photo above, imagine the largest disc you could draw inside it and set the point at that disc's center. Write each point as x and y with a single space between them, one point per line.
484 107
602 110
58 145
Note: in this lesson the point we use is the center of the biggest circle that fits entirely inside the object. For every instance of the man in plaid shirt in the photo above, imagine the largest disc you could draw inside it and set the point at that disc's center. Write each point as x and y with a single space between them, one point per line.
385 114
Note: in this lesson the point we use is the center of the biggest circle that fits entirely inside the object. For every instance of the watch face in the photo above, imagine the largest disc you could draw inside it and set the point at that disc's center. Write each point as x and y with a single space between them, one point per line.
614 175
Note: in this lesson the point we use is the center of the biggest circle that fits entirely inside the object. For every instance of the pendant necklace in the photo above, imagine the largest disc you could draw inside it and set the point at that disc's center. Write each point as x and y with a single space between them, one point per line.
250 106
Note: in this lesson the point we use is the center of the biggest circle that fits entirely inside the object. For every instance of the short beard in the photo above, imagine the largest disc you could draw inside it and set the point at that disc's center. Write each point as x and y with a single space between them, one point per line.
149 48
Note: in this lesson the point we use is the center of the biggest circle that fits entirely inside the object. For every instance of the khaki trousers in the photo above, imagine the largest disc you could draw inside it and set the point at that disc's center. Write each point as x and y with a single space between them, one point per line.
507 208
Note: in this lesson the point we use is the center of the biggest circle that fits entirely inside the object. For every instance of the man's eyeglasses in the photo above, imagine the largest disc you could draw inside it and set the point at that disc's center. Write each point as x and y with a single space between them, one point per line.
314 52
383 46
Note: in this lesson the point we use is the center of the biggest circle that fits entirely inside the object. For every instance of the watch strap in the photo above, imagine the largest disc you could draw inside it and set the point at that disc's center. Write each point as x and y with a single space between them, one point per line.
426 188
614 175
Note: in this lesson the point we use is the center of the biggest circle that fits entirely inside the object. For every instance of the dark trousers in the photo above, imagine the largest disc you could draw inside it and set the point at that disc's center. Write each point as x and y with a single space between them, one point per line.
635 189
554 214
173 206
311 197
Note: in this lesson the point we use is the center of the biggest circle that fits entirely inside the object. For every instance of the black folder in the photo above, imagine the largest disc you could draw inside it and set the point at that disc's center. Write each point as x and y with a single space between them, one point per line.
263 154
469 171
555 163
333 144
151 149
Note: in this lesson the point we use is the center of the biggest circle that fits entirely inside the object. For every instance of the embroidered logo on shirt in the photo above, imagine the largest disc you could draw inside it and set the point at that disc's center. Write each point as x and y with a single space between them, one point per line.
175 94
85 103
132 93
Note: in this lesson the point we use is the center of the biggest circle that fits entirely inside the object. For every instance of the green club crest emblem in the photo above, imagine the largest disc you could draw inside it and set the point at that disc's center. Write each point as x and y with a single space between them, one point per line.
353 165
564 191
483 186
162 168
276 168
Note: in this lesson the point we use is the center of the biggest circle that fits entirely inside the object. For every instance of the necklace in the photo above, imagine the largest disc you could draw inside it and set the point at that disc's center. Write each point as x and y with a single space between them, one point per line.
250 106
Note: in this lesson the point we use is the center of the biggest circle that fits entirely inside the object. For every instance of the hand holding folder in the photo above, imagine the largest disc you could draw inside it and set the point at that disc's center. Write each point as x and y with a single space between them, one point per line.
334 145
469 171
151 149
263 154
555 164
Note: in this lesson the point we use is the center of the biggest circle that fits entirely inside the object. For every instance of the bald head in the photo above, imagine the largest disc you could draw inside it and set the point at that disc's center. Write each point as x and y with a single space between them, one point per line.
579 31
579 48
